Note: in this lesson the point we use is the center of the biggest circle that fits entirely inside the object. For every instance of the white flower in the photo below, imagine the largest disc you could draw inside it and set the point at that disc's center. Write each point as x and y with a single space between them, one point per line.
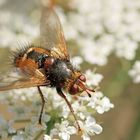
95 52
99 103
76 61
64 130
135 72
47 137
86 7
21 28
29 133
104 18
31 129
89 128
69 31
80 109
93 78
45 118
65 110
126 48
19 136
6 127
104 105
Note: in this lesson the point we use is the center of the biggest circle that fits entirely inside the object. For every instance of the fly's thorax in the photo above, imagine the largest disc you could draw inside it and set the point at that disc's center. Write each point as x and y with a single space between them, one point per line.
59 72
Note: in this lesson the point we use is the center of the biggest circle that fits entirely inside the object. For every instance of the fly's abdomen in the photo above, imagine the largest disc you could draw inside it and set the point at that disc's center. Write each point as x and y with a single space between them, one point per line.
31 59
37 57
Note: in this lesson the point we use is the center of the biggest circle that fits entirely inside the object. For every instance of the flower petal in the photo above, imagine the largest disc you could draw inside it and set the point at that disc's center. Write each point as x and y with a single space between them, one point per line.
97 129
71 130
64 136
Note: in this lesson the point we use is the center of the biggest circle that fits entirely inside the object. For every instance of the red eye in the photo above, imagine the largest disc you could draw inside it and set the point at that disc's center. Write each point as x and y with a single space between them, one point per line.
82 78
74 89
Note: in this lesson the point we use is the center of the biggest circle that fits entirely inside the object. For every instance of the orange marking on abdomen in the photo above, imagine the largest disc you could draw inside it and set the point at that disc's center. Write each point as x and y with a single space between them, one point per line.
30 60
28 66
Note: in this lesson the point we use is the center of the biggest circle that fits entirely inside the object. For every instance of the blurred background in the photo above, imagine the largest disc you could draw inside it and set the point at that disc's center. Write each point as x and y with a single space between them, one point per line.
105 35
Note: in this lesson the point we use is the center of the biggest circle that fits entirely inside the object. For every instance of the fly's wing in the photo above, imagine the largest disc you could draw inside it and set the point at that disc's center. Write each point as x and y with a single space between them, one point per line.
24 83
52 36
15 82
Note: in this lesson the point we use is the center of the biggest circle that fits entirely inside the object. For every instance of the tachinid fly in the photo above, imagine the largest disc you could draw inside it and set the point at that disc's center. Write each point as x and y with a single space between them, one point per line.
49 65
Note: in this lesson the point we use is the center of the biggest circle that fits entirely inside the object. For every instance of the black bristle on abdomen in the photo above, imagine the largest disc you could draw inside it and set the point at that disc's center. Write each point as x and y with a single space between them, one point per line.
20 51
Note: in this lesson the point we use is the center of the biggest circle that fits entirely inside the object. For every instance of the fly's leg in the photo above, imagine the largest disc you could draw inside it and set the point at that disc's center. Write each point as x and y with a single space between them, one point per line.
43 103
59 91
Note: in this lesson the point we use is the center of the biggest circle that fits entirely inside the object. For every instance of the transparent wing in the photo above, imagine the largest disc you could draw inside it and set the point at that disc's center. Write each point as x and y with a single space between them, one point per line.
23 83
51 32
14 80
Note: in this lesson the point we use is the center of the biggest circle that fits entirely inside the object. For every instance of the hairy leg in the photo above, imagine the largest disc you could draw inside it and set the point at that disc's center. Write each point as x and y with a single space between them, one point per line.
59 91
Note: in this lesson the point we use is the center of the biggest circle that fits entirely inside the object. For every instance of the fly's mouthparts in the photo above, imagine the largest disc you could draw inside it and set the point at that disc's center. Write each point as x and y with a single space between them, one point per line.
88 91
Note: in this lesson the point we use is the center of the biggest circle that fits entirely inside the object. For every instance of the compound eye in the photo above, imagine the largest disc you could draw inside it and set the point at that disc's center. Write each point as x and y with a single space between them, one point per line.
82 78
74 89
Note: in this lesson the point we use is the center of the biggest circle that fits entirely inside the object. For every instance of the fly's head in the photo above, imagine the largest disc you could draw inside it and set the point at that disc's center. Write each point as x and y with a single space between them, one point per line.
79 85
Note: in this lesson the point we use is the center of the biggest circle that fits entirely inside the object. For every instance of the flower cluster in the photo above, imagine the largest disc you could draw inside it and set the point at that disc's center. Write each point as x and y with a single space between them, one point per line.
98 29
6 127
103 27
21 29
135 72
109 27
57 118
